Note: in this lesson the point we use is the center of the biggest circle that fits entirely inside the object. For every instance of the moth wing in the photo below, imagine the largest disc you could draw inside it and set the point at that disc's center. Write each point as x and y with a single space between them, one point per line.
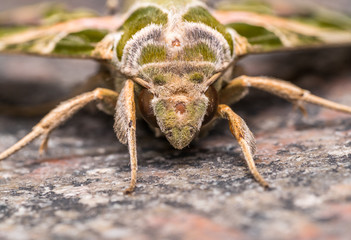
258 29
51 30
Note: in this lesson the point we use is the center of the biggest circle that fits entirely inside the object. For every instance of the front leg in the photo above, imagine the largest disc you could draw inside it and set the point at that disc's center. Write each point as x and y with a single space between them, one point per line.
125 128
95 81
59 115
238 88
245 139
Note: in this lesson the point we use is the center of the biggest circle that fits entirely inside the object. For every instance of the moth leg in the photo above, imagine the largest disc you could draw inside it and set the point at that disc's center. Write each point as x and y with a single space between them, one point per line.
27 111
245 139
280 88
125 128
93 82
44 144
59 115
233 92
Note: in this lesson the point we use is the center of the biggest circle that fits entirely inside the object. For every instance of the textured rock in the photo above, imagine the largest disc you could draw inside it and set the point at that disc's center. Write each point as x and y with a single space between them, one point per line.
202 192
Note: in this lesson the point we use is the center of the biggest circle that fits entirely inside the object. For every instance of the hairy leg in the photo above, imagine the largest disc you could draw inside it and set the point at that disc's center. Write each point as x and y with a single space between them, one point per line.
93 82
245 139
59 115
238 88
125 128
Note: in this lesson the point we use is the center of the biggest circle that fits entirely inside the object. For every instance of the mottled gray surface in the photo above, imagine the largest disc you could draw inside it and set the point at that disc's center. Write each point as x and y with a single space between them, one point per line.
202 192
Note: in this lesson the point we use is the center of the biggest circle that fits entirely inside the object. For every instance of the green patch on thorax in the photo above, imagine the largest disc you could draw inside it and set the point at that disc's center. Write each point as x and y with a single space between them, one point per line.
196 77
153 53
160 79
80 42
199 52
162 75
137 21
201 15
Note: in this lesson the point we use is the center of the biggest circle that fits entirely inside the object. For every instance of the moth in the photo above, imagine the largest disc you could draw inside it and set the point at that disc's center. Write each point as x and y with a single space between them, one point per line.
171 64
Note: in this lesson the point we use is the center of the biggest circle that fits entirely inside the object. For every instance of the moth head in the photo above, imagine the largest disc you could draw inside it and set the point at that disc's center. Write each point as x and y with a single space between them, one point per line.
178 108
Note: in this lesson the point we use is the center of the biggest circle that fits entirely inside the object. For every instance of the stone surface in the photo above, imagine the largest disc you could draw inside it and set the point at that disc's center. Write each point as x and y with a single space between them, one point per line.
202 192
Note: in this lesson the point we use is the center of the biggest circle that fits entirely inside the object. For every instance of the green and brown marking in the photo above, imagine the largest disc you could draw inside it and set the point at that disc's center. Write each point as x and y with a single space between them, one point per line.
138 20
177 49
78 33
202 15
159 34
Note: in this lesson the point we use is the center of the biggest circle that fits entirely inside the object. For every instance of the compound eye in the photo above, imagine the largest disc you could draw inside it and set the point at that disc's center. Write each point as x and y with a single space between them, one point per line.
145 106
212 96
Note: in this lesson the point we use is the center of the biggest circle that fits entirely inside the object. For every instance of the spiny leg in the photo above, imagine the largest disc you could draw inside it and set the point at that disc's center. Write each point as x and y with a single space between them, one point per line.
245 139
237 88
59 115
93 82
44 144
125 128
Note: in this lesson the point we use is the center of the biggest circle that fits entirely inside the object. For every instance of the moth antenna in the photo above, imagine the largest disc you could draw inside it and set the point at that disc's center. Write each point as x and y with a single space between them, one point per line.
282 89
142 82
211 80
310 98
59 115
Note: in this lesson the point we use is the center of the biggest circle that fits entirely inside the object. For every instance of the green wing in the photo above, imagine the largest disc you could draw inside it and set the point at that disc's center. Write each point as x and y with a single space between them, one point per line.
259 28
51 30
